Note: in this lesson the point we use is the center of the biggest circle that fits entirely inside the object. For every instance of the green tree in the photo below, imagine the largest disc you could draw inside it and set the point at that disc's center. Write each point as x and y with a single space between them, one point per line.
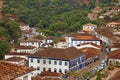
4 48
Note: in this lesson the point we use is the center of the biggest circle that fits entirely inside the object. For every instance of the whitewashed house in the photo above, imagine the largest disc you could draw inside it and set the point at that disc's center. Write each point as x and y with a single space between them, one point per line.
32 42
75 39
24 49
58 60
89 27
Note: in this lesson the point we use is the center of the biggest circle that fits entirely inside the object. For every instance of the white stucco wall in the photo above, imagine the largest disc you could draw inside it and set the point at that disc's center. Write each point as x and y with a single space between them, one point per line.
47 65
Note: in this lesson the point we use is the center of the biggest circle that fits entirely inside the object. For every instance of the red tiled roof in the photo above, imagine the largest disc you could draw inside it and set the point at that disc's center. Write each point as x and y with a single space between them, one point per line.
24 47
66 54
10 71
115 54
15 59
90 52
46 75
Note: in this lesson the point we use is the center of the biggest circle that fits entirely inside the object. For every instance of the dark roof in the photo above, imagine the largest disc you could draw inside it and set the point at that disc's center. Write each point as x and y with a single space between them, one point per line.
66 54
115 54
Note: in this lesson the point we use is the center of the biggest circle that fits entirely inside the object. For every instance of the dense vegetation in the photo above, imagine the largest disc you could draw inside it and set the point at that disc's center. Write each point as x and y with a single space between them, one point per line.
10 32
54 16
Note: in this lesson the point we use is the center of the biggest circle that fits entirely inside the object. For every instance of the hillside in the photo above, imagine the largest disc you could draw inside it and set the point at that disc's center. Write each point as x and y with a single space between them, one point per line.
52 16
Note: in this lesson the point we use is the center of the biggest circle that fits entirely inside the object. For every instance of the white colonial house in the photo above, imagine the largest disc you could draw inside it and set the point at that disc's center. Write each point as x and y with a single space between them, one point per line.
24 49
89 27
32 42
58 60
75 39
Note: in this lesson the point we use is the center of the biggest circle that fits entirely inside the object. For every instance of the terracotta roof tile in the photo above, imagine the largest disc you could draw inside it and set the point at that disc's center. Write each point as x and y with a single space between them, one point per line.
10 71
66 54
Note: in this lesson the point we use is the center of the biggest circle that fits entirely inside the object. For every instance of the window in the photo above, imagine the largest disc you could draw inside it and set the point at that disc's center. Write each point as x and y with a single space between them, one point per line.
49 62
65 63
32 43
55 70
44 69
38 61
65 70
60 70
60 63
31 60
49 69
44 61
38 68
55 62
